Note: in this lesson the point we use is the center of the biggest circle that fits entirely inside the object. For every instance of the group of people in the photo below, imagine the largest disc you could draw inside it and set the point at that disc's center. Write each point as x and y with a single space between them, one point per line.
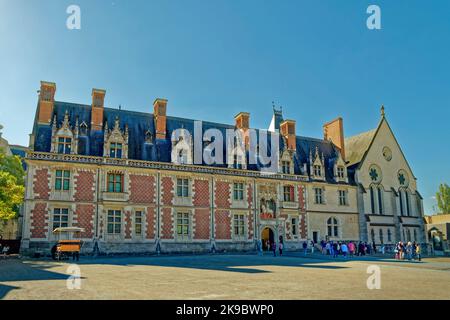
336 248
409 250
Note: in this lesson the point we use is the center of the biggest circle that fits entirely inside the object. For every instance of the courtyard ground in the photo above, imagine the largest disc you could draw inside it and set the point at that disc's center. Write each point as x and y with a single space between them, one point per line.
225 277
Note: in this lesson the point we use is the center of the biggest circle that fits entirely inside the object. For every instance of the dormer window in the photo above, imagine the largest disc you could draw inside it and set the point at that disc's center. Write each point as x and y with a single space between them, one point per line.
318 171
64 139
341 172
182 157
64 145
115 150
286 162
116 141
148 137
317 165
285 167
83 129
181 147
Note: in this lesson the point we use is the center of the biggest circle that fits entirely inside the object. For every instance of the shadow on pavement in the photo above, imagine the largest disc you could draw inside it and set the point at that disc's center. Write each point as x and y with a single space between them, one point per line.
231 263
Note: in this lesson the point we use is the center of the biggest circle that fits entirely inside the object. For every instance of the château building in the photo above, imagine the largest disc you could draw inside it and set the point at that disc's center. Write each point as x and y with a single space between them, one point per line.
133 182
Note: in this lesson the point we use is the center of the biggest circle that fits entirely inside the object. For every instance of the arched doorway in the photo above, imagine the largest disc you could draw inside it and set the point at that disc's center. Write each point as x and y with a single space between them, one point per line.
267 238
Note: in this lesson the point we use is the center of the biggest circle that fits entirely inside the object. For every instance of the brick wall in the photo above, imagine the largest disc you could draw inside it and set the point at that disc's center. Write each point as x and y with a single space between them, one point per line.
201 193
166 219
250 215
142 188
222 194
223 224
39 218
41 181
150 219
167 190
128 224
85 219
301 202
84 186
202 223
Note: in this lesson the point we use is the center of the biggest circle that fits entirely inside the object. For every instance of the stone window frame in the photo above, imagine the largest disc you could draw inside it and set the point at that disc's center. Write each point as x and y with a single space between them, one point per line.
286 158
114 236
405 202
335 226
181 200
235 237
64 132
62 194
50 210
346 202
190 234
297 226
294 189
181 144
122 182
322 196
115 135
134 235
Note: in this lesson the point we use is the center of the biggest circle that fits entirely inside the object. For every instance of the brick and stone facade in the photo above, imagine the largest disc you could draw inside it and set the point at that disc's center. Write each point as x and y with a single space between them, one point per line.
132 187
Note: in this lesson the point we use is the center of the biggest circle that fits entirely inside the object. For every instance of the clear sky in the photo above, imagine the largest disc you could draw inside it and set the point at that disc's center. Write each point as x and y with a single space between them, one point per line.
214 58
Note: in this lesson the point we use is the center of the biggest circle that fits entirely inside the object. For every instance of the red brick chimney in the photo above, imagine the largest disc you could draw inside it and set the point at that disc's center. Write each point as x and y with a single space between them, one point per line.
46 102
287 130
334 131
159 112
98 106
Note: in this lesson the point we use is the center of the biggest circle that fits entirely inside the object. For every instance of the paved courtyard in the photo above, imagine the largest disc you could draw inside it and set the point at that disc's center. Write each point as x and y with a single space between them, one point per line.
225 277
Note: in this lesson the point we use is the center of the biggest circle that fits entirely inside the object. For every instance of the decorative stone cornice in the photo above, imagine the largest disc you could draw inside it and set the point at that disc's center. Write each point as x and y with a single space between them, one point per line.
46 156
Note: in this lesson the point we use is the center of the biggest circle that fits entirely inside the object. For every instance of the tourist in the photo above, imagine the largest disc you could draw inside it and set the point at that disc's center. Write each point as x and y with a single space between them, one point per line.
328 248
409 250
323 245
351 248
361 249
382 249
305 247
374 248
344 249
335 250
418 252
312 246
268 247
280 248
274 249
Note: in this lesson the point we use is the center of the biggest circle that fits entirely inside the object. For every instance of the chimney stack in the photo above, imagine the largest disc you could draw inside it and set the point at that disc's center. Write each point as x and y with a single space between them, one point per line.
159 112
287 130
98 105
46 102
243 123
334 131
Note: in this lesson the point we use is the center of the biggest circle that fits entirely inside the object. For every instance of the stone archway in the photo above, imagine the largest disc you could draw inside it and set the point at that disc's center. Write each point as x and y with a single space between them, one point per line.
267 238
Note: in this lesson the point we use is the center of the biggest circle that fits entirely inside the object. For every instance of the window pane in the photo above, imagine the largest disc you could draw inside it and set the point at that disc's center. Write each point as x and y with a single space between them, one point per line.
66 184
58 184
117 228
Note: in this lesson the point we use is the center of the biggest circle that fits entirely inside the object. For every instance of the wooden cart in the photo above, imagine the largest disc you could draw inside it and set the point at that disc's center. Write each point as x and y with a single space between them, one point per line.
68 244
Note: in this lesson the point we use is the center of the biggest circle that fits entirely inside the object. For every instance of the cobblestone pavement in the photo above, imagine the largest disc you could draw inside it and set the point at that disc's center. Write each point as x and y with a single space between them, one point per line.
225 277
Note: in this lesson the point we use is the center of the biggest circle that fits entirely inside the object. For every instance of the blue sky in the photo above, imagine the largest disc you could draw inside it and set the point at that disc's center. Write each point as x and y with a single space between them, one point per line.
214 58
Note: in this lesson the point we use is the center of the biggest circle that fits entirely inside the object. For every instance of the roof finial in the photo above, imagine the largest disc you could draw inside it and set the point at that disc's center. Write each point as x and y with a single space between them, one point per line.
382 111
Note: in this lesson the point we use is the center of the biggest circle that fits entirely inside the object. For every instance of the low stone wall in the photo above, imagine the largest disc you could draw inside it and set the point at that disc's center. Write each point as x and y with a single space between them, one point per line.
141 248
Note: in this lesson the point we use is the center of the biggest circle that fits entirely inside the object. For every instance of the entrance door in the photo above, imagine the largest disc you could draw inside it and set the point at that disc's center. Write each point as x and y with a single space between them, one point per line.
267 238
315 236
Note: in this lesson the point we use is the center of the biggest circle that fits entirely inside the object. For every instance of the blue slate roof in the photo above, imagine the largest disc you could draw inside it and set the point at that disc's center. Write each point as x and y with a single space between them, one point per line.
160 149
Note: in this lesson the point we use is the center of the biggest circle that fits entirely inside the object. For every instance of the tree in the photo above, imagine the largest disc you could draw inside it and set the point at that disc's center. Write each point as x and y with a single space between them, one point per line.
443 198
12 187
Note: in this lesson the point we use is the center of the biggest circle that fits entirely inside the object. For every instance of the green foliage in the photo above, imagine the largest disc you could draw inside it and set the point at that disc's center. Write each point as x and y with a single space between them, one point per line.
443 198
12 187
